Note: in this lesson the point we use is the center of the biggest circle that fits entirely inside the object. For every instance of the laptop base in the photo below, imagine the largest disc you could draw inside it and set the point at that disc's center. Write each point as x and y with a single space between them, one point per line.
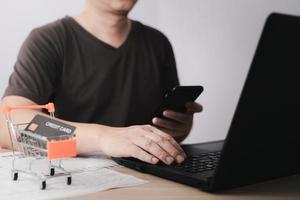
199 180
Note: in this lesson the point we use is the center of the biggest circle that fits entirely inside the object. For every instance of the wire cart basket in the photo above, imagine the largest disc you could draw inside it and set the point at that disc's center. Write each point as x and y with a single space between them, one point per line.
30 145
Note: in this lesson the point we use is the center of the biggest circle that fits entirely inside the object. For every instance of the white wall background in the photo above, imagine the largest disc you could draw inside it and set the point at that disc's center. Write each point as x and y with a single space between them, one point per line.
214 42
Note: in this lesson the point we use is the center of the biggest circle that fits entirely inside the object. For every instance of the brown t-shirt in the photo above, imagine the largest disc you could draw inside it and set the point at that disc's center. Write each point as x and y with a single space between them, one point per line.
91 81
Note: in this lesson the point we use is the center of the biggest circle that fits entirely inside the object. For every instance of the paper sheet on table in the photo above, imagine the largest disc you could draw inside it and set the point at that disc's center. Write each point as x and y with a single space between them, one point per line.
89 175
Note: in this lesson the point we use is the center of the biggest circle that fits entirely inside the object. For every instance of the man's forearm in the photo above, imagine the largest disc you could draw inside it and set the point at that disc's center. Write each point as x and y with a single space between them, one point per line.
144 142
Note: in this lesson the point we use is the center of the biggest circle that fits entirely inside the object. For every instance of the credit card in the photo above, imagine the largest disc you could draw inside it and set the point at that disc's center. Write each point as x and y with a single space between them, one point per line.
49 127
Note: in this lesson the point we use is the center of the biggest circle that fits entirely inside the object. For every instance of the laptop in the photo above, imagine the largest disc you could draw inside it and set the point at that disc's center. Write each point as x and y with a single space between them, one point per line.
263 141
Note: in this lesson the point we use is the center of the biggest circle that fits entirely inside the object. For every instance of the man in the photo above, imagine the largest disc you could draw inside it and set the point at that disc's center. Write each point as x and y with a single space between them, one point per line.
106 74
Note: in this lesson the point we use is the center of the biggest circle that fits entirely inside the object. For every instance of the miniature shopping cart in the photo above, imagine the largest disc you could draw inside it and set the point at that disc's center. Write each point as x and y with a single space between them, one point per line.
32 146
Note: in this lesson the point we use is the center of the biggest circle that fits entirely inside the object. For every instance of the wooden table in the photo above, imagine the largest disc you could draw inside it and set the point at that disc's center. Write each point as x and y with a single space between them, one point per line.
285 188
158 188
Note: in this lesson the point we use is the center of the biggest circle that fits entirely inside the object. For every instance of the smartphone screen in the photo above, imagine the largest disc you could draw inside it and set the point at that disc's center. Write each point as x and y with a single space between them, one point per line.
177 98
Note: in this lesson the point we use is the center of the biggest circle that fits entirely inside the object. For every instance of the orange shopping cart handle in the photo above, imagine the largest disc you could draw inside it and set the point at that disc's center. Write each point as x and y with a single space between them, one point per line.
50 107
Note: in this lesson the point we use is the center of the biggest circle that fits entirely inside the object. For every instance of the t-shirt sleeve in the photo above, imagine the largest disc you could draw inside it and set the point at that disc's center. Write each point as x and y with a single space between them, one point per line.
35 71
169 75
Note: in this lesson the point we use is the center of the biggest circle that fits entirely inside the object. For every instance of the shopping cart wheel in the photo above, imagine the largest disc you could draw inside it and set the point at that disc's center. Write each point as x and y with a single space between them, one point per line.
69 180
15 176
52 171
43 185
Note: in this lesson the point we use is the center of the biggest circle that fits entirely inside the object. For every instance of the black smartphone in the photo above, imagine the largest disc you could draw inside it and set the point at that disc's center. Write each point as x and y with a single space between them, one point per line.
177 98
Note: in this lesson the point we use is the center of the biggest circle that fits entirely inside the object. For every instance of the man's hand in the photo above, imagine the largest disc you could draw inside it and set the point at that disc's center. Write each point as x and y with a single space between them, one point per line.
180 124
144 142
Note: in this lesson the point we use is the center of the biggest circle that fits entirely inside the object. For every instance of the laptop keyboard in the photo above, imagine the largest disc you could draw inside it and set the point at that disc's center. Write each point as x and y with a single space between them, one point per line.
199 163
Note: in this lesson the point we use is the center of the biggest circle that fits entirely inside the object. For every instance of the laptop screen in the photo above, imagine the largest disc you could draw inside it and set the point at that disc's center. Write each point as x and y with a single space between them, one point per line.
264 138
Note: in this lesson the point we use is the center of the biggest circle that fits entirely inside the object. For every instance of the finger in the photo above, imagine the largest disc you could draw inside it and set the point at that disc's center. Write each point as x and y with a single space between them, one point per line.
176 136
193 107
167 146
180 117
142 155
168 137
166 123
175 129
154 149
